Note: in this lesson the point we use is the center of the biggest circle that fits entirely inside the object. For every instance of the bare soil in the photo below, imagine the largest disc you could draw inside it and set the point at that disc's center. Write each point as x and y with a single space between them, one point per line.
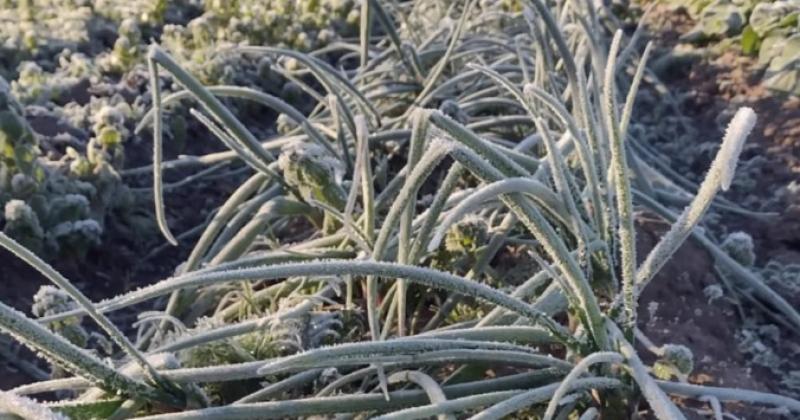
711 87
674 310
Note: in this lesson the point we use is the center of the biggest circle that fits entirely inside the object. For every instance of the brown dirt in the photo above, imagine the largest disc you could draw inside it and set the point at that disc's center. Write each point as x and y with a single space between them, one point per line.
711 87
777 138
674 310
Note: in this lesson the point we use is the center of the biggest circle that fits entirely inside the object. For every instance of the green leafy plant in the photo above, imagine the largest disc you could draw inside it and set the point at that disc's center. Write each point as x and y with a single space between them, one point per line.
364 314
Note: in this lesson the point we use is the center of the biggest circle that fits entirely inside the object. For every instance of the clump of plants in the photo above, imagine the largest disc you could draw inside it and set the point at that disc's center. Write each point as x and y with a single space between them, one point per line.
355 274
82 85
306 25
36 29
769 30
54 208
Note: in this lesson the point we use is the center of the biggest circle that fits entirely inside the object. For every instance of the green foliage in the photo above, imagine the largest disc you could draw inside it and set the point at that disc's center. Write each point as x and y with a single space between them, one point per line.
72 193
38 29
303 25
675 360
87 410
774 17
751 42
55 219
718 19
266 318
49 301
23 224
128 47
768 29
18 143
315 173
467 235
41 56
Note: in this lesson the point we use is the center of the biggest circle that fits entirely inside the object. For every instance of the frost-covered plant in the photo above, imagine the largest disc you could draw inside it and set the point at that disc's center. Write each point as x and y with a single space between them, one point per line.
467 235
396 116
252 346
128 49
50 301
23 407
713 292
675 360
55 219
303 25
316 175
149 12
22 223
70 191
739 245
782 275
18 142
32 83
42 28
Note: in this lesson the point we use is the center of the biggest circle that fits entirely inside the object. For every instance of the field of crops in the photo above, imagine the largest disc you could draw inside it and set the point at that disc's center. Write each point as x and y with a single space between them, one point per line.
399 209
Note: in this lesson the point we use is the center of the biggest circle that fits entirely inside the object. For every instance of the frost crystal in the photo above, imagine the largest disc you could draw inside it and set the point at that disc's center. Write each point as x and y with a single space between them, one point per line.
26 408
735 135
